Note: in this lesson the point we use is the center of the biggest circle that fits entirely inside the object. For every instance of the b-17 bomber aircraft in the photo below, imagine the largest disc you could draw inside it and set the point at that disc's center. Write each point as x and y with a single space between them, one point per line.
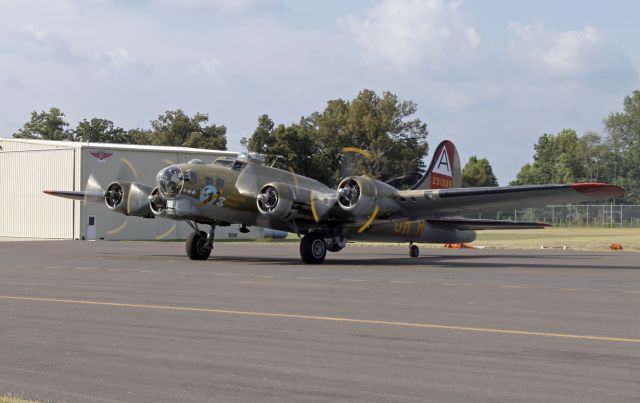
244 190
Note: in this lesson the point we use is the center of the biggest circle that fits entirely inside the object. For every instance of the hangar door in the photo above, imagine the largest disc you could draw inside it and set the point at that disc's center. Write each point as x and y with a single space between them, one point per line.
24 210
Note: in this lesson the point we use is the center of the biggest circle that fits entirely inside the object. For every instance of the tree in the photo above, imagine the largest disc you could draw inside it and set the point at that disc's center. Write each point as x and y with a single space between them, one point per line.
478 173
100 131
379 125
175 128
139 136
623 142
46 126
560 158
262 138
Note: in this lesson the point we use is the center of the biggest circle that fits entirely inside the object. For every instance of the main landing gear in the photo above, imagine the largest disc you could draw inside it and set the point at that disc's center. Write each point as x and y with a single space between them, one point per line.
314 245
200 244
313 248
414 251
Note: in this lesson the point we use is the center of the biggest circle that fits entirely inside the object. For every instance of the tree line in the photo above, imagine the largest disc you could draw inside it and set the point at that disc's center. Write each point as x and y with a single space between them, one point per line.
565 157
173 128
392 139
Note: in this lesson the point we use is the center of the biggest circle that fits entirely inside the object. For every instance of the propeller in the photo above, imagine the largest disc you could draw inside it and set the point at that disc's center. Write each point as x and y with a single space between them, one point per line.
94 192
355 161
137 196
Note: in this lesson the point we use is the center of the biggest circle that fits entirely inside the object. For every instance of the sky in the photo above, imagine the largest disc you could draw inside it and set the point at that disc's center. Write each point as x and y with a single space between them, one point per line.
490 75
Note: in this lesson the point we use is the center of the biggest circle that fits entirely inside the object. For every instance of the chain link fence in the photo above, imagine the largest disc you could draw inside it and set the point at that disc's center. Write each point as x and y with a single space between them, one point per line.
574 215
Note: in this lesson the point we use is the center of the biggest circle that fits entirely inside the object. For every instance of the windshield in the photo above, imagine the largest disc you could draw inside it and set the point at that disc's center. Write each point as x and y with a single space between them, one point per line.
170 181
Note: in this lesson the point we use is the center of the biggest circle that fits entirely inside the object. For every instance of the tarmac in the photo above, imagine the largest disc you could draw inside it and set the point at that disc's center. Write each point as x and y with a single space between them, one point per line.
139 322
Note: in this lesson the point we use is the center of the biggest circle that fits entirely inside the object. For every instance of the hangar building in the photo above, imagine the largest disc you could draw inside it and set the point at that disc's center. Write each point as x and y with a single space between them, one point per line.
27 167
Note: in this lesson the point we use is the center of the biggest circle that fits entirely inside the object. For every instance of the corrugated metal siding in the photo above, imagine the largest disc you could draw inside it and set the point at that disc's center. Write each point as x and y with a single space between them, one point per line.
31 144
24 210
17 145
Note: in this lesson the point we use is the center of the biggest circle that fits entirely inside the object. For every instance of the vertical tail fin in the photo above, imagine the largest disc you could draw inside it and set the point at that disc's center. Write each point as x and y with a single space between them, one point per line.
444 170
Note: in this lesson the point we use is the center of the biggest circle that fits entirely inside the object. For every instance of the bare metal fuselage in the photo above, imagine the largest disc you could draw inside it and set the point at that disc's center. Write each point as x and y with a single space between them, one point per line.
235 202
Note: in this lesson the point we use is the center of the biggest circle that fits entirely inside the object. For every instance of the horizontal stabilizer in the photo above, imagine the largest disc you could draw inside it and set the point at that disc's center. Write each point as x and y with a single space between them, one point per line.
479 224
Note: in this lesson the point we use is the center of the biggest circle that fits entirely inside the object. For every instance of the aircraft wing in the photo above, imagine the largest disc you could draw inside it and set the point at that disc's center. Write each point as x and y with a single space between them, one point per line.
77 195
438 203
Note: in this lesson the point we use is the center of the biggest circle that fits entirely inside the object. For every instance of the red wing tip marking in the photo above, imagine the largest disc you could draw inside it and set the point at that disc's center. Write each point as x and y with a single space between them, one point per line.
47 191
600 190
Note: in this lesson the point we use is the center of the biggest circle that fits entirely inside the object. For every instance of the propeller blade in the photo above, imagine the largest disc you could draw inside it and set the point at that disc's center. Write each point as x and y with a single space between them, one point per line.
94 191
355 161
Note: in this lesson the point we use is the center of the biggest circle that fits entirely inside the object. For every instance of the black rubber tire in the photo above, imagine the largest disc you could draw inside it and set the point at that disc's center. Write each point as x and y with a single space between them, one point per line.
197 246
313 249
414 251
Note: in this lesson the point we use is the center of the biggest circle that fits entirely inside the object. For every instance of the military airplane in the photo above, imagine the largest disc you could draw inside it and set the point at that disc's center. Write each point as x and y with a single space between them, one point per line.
244 190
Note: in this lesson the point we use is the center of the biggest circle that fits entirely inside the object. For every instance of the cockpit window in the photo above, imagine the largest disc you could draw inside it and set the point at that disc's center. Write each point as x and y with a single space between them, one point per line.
238 165
224 162
170 181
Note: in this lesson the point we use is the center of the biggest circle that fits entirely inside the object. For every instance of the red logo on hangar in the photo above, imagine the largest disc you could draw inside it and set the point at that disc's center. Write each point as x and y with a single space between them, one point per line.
101 156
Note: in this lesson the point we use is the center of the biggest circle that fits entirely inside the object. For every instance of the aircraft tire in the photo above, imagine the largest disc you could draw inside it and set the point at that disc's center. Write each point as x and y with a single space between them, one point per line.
414 251
196 246
313 248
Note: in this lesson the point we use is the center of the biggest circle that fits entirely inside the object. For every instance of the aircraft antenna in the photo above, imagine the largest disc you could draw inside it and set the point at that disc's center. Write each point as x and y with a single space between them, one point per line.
276 160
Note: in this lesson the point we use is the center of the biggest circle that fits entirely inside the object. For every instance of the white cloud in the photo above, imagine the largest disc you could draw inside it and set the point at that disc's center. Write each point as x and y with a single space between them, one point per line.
35 42
115 63
241 6
457 100
587 51
227 6
405 34
35 32
472 37
210 67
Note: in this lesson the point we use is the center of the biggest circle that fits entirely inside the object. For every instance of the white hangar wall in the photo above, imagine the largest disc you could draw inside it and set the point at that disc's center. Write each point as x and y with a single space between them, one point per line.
24 210
29 166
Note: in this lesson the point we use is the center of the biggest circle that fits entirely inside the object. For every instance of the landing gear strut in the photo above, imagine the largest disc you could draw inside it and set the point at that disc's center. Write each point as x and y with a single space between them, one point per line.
200 244
414 251
313 248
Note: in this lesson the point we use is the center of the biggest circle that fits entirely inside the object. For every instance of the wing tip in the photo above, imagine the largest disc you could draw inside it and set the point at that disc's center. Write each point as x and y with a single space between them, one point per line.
599 190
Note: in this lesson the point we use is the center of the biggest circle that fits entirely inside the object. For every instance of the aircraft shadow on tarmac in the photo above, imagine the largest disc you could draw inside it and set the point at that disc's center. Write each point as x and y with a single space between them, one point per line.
555 261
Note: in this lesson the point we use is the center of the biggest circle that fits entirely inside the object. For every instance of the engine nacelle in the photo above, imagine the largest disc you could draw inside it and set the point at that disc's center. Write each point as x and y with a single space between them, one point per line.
129 199
276 200
357 195
158 202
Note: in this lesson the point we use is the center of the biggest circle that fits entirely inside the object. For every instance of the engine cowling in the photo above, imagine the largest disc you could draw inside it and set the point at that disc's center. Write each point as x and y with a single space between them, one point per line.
157 202
275 200
357 195
129 199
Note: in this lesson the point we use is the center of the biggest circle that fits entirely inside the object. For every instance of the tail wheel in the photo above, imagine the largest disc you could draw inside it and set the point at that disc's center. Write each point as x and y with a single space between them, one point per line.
313 248
414 251
197 246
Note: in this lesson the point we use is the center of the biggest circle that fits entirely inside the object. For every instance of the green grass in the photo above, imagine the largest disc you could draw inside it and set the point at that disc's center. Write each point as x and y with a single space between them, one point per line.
573 238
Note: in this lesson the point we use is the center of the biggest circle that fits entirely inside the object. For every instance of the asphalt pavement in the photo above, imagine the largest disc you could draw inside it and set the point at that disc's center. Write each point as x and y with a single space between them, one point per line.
139 322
